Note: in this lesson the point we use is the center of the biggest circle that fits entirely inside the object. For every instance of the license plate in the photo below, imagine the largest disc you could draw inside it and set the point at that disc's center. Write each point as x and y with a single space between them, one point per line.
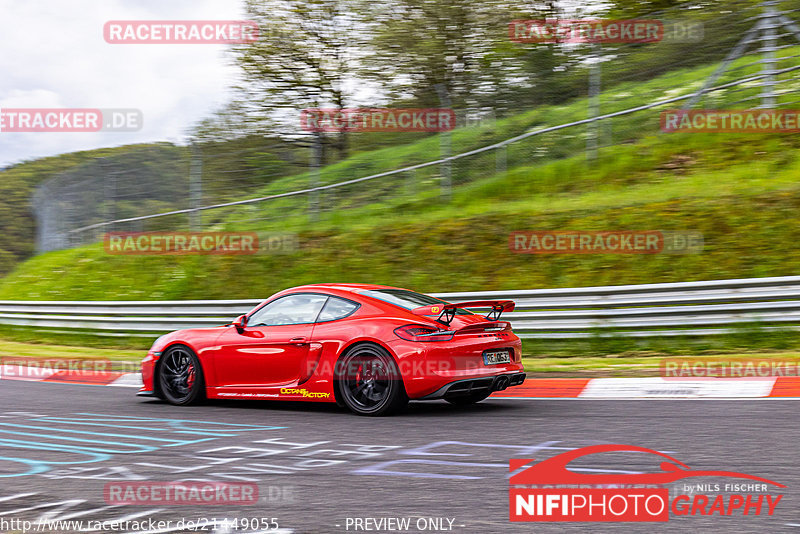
496 357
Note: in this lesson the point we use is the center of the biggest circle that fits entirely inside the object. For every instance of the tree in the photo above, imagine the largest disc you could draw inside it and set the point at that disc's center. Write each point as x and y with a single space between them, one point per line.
306 57
421 46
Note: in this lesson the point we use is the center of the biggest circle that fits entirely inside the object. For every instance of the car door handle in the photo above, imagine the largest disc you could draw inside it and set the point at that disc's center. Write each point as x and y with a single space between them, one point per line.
298 340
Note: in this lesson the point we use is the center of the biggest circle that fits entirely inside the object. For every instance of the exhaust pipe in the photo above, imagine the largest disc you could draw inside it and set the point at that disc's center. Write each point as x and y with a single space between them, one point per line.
501 383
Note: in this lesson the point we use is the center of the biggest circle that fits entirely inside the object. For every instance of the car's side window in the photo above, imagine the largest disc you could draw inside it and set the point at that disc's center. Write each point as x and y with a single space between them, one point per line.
336 308
300 308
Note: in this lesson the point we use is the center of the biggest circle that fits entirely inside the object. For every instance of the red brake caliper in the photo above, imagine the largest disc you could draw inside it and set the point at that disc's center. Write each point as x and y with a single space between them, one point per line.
190 377
359 372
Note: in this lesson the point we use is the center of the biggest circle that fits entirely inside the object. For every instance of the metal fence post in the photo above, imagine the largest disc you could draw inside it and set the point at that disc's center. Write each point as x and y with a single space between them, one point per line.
316 162
109 195
445 145
769 62
195 187
501 159
735 53
593 128
411 182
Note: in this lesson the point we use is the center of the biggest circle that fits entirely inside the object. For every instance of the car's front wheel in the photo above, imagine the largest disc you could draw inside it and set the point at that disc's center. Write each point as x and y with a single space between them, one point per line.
369 382
180 376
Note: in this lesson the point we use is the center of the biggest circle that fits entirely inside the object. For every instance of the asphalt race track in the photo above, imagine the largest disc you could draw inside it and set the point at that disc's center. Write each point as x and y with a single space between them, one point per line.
318 467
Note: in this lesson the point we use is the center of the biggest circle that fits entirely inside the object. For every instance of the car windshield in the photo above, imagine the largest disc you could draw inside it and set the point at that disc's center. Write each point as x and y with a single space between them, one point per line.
408 299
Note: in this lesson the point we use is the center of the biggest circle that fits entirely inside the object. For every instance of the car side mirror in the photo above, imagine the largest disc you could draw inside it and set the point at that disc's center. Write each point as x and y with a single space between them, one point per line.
240 323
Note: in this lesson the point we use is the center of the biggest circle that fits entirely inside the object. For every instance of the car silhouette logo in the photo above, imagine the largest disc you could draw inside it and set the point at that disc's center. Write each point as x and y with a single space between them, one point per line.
554 470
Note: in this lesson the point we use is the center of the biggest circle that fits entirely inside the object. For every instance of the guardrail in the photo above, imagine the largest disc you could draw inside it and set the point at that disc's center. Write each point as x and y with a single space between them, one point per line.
648 310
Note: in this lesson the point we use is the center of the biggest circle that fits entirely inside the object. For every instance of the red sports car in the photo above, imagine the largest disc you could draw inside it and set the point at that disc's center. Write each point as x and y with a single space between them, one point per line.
368 347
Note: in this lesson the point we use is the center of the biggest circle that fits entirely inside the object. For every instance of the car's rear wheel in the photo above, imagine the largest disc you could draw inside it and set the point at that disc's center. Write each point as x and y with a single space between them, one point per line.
180 376
463 400
369 382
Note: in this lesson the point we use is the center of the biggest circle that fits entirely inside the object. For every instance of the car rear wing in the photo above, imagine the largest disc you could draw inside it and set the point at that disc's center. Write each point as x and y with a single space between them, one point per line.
446 312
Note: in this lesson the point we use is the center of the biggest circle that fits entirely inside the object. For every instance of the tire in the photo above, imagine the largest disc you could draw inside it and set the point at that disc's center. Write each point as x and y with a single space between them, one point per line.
466 400
180 377
368 381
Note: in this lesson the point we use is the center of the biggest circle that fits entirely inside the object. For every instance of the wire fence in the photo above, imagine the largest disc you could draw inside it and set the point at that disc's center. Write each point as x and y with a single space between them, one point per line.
262 184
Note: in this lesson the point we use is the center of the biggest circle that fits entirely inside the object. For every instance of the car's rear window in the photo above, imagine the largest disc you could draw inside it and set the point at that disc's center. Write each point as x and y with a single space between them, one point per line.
408 299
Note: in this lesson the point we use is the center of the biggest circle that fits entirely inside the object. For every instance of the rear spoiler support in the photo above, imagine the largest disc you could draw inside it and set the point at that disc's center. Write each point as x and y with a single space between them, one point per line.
447 312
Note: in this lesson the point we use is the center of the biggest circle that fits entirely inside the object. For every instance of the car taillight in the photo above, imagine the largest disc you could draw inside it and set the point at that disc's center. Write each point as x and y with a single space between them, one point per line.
415 332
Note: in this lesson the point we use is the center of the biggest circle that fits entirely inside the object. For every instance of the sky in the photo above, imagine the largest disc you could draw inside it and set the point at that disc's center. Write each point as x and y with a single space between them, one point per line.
53 55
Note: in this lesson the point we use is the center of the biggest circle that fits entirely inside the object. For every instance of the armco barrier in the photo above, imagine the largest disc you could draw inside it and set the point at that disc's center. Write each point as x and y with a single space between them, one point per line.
684 308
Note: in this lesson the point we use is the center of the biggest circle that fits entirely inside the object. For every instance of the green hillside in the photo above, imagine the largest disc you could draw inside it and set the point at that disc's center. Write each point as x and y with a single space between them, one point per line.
17 185
740 190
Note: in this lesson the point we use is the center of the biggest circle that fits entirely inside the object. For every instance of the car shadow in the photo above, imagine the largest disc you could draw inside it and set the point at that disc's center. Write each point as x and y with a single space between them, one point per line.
435 408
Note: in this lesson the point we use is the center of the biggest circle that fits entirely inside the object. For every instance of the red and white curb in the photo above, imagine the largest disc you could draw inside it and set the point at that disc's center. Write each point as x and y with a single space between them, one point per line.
94 378
533 388
655 388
